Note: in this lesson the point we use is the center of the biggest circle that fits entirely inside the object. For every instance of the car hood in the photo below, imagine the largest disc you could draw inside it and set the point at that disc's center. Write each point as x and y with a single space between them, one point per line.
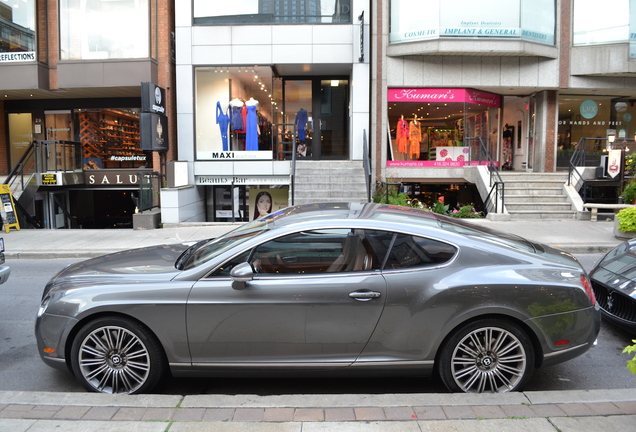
134 265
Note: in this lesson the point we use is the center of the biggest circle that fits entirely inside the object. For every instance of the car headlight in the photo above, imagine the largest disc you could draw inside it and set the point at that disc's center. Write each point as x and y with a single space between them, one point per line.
43 305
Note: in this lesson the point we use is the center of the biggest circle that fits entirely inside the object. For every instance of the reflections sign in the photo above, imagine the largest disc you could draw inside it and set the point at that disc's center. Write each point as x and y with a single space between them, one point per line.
475 97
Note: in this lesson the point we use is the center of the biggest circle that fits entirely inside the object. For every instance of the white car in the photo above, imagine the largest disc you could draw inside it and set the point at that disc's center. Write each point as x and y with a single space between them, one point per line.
5 271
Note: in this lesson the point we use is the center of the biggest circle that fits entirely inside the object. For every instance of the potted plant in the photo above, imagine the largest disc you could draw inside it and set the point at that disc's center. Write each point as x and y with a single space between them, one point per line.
625 223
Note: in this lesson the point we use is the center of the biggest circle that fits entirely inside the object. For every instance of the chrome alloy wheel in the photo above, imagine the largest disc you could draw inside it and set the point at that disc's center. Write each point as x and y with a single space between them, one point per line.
489 359
113 359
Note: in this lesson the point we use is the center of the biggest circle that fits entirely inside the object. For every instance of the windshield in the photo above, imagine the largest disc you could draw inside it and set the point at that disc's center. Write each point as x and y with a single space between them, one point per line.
204 251
622 260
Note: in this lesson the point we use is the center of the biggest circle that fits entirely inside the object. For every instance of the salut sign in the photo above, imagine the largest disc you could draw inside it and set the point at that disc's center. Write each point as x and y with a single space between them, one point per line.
112 178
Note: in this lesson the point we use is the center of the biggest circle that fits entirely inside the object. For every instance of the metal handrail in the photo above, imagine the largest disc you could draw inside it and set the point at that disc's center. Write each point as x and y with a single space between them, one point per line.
497 185
580 158
366 163
18 170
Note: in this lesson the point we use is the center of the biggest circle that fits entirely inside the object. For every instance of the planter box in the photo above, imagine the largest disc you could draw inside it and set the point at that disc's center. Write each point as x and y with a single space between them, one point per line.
622 235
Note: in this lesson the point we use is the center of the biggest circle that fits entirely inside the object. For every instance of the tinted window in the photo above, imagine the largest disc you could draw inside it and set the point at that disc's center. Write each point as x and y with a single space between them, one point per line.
411 251
318 251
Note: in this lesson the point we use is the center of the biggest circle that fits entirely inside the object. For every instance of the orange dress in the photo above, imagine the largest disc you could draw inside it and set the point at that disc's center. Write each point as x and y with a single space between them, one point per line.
415 138
402 135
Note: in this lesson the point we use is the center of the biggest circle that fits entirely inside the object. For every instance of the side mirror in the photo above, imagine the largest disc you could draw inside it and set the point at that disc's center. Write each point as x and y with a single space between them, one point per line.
241 274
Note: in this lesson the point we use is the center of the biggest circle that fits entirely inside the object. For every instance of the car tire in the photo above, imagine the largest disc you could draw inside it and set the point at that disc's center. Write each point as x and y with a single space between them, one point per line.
117 355
488 355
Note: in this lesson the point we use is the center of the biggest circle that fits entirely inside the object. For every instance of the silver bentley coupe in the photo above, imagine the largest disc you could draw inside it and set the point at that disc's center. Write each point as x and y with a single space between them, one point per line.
322 289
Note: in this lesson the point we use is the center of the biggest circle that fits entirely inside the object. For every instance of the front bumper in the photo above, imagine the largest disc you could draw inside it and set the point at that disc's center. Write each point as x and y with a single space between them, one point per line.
51 334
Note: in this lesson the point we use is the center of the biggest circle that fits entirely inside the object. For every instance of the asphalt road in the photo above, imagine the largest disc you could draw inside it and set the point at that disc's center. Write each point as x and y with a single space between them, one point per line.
602 367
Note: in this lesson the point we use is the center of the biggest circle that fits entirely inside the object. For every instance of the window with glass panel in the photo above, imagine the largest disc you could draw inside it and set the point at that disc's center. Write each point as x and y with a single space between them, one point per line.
17 31
104 29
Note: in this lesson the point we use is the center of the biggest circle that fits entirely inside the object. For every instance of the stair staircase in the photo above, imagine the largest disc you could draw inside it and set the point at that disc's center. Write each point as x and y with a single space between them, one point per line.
537 196
329 181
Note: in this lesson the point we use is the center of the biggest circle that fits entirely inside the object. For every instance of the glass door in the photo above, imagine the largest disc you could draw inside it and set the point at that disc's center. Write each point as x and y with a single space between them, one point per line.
317 112
333 118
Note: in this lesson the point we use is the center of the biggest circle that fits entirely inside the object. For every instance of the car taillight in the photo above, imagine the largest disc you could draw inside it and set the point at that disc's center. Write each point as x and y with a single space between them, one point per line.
585 282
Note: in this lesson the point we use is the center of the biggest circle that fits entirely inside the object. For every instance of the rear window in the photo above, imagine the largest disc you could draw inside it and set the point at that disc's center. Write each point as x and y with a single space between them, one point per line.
413 251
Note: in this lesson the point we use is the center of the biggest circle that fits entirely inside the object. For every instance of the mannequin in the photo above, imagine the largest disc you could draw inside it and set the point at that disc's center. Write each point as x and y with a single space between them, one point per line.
223 120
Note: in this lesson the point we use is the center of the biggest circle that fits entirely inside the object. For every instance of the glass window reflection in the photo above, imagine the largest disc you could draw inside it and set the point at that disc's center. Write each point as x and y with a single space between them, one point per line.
17 30
91 29
272 12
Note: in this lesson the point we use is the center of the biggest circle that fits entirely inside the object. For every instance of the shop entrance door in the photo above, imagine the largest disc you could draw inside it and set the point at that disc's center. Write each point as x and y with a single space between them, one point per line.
319 109
59 216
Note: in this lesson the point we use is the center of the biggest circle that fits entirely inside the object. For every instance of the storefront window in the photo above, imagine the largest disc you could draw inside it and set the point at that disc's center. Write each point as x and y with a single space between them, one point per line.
17 31
597 22
592 117
230 203
272 12
110 138
104 29
234 107
531 20
442 127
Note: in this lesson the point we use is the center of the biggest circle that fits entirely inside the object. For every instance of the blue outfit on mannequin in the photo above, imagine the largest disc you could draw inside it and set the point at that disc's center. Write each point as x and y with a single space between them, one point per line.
251 129
223 120
236 117
301 124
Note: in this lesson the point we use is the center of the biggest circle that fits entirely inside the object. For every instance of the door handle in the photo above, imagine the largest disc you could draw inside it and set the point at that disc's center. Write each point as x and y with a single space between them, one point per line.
364 295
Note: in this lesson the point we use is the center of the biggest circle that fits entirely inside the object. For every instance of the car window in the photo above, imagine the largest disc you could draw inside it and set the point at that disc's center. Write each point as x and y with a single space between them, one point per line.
226 268
316 251
413 251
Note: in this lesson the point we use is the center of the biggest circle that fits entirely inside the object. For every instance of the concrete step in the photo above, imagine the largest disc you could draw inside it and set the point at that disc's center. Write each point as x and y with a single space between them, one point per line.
533 191
329 181
511 207
531 183
520 199
534 215
562 177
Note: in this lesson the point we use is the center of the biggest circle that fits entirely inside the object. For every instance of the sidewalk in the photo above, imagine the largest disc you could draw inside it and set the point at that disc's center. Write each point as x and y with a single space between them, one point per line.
565 411
573 236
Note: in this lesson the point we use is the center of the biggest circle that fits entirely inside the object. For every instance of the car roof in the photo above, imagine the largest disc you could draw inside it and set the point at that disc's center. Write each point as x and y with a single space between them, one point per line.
391 214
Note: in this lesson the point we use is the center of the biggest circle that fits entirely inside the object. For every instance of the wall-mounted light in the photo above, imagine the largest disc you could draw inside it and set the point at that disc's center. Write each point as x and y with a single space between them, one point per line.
335 83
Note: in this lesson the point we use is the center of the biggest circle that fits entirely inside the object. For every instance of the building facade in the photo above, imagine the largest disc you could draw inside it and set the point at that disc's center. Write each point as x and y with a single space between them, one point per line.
263 87
525 80
71 75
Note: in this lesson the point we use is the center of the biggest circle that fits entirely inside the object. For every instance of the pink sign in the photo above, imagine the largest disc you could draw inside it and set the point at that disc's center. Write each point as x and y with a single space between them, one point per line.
436 164
444 95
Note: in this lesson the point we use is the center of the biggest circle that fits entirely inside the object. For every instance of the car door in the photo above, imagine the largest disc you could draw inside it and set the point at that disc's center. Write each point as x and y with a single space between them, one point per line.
315 300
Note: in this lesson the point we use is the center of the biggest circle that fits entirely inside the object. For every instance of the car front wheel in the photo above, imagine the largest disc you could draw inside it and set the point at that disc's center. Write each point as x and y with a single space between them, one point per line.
486 356
116 355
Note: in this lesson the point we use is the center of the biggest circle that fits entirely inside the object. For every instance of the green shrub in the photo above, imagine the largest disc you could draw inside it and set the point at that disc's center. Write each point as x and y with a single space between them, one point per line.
627 219
631 364
629 193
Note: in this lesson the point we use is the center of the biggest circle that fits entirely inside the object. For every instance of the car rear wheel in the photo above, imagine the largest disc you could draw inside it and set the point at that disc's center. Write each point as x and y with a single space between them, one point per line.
486 356
117 355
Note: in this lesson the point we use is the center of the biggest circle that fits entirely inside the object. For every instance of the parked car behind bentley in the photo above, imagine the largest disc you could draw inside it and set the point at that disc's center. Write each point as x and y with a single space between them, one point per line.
614 284
332 289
